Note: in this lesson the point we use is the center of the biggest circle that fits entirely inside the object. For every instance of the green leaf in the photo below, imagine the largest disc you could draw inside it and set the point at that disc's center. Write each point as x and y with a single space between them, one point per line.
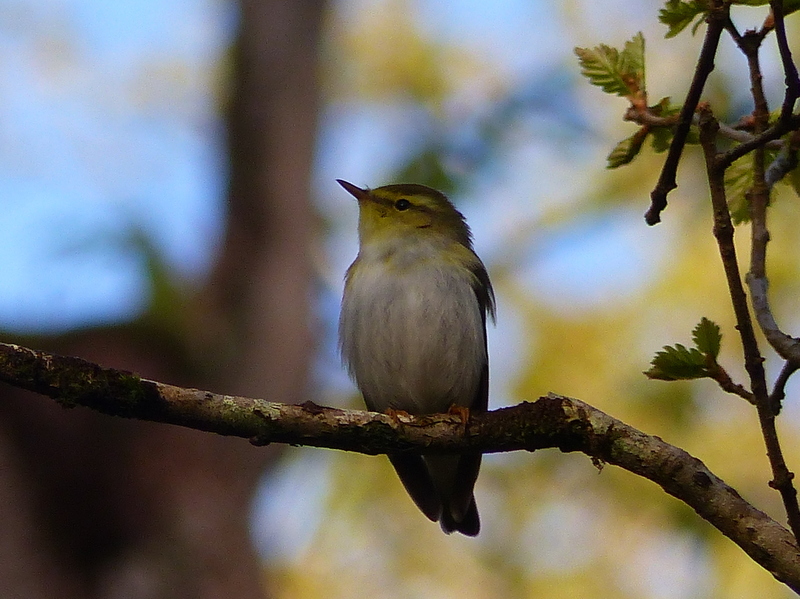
678 362
632 59
615 72
662 138
790 6
677 15
626 150
707 337
601 66
665 107
738 181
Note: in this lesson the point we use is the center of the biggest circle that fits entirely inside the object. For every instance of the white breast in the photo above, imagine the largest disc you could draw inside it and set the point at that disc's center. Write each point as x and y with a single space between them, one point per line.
413 337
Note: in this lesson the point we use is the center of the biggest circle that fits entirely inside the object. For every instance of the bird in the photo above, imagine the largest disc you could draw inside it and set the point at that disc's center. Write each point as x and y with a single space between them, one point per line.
412 332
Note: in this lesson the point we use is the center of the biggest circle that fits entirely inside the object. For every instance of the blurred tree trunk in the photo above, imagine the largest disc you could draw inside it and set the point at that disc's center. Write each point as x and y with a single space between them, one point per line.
99 507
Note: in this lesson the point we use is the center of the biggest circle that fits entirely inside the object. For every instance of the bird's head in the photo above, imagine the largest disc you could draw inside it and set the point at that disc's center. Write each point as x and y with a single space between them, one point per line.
407 209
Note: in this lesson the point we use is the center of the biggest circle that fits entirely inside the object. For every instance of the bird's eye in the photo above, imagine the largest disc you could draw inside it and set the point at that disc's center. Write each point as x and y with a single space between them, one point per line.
402 204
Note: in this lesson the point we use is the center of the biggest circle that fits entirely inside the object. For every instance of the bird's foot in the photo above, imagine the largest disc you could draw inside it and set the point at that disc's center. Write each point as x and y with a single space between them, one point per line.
462 413
399 416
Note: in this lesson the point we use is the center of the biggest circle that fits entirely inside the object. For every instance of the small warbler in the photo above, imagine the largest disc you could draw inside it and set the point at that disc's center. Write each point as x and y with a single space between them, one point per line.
412 332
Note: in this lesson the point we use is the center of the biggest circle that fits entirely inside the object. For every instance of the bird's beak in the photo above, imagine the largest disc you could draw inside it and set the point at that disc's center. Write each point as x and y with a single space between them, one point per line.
356 192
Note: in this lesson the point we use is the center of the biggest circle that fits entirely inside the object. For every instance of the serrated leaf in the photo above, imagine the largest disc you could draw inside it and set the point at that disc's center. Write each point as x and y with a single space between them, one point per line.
601 66
626 150
632 63
615 72
677 15
678 362
707 337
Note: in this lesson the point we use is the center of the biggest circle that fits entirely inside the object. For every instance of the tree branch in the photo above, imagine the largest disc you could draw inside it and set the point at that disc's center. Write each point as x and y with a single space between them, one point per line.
758 197
779 390
552 421
753 361
784 163
777 130
719 374
646 116
786 346
717 19
792 81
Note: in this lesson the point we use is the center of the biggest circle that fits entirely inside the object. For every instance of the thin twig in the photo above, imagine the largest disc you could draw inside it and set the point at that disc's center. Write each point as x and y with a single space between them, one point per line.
785 162
647 117
786 346
787 121
754 362
759 199
723 232
732 30
717 19
779 391
724 380
777 130
792 81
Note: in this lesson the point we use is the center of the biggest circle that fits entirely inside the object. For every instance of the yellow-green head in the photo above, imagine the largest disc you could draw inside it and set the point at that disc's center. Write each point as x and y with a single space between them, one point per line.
408 208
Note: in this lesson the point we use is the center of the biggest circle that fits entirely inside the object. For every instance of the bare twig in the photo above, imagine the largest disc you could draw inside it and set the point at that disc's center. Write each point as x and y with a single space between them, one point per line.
786 346
784 163
759 199
787 121
792 81
552 421
717 19
757 141
779 391
723 232
733 31
719 374
647 117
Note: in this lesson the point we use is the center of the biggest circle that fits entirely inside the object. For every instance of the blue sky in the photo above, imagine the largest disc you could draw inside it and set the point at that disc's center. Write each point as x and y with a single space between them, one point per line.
110 128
